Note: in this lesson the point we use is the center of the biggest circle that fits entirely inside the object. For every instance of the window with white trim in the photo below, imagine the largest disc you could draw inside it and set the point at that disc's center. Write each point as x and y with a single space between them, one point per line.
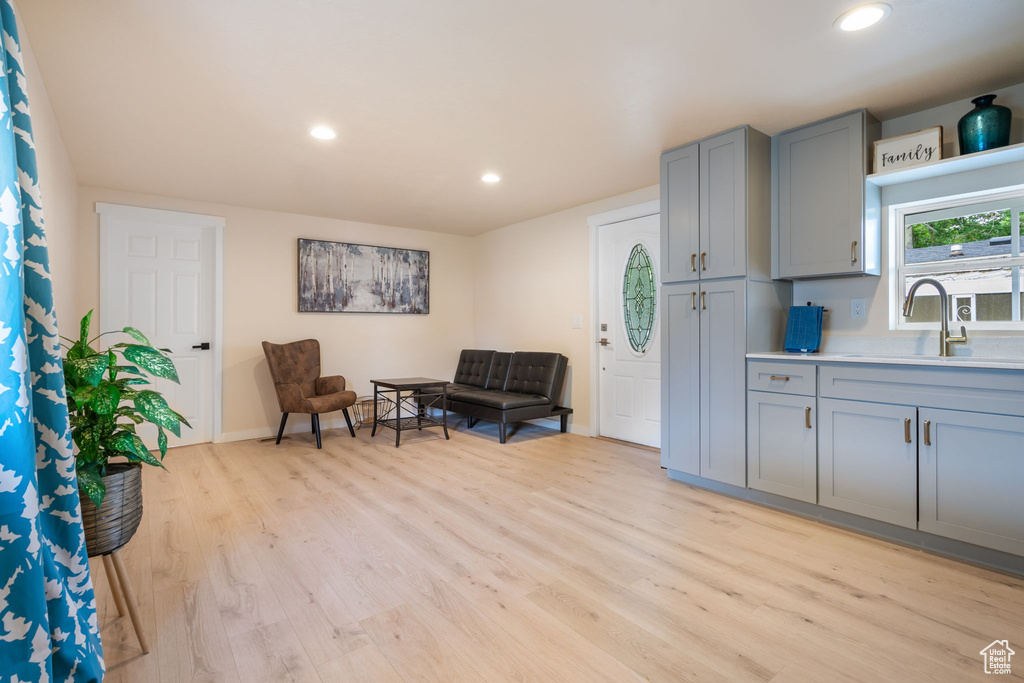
974 249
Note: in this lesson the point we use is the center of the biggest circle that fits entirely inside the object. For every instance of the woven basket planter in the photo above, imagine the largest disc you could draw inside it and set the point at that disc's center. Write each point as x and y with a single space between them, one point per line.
111 526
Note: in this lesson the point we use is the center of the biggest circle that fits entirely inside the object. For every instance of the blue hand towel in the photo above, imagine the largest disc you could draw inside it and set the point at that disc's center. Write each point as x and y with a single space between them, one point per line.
803 332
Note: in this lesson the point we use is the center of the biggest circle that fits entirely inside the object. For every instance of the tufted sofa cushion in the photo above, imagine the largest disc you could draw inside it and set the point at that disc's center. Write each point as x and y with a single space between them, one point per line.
537 373
473 367
499 370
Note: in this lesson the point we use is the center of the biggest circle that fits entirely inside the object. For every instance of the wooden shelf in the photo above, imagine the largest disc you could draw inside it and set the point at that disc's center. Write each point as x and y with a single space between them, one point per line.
965 162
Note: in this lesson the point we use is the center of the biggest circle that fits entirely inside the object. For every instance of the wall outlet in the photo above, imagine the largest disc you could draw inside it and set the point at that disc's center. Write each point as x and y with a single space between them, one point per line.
858 309
577 322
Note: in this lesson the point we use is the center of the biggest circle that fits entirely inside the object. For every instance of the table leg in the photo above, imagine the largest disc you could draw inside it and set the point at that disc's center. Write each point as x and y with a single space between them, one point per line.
444 410
373 432
398 417
420 409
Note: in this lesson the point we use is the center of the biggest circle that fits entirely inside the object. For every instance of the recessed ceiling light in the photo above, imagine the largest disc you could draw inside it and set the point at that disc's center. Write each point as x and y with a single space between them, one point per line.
862 16
323 133
490 177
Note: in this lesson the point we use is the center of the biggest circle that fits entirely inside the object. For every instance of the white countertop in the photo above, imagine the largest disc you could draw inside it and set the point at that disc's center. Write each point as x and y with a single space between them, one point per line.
894 359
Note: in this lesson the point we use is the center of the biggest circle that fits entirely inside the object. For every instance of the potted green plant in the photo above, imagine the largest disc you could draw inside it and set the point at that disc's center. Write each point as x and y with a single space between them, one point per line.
107 399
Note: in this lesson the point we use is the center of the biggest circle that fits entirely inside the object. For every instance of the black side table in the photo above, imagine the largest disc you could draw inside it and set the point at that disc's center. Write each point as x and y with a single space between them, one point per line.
418 398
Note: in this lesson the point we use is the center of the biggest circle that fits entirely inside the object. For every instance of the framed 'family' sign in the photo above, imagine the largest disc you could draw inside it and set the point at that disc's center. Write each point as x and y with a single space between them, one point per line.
912 149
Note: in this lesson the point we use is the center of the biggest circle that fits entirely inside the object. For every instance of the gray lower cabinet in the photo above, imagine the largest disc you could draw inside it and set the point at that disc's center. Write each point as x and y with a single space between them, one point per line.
867 459
826 219
972 478
782 445
680 373
723 373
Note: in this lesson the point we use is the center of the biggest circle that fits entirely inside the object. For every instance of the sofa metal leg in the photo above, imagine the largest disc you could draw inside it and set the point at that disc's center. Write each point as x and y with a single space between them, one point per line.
501 432
470 421
348 420
316 429
565 423
280 430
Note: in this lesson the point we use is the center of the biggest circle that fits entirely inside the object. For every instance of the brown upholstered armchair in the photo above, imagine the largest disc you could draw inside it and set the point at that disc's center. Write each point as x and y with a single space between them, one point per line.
295 368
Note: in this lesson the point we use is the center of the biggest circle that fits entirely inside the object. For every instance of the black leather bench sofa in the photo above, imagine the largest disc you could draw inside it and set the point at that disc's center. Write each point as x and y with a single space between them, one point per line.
508 387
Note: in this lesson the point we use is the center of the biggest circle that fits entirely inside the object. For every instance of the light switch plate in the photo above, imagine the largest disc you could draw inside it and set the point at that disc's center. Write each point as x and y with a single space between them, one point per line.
577 322
858 309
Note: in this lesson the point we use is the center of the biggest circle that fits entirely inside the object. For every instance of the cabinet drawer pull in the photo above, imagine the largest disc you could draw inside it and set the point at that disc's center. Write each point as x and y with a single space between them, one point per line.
927 432
703 301
704 260
693 262
807 417
906 430
693 300
853 251
781 379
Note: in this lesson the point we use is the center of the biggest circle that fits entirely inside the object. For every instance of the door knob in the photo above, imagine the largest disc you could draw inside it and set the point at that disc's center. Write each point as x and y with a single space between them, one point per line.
205 346
604 342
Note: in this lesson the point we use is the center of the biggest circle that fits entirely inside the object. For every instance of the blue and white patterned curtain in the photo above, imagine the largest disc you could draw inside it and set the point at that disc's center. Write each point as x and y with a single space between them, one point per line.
48 629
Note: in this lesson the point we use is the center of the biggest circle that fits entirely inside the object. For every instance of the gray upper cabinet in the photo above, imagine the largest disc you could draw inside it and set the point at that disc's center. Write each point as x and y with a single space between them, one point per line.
723 338
680 372
723 205
971 478
867 460
680 213
826 218
715 204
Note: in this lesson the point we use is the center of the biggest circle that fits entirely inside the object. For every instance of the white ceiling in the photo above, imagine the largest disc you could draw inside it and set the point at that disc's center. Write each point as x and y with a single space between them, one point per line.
568 100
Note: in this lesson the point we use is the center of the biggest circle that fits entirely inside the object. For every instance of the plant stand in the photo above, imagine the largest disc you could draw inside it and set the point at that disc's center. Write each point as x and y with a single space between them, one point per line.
109 528
124 596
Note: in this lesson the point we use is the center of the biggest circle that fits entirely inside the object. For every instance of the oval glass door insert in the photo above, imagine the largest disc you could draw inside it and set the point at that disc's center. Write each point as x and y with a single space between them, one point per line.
639 299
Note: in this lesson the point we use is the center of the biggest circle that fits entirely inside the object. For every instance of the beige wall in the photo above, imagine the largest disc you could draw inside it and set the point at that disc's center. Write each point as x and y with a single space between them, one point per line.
835 293
260 303
59 187
531 278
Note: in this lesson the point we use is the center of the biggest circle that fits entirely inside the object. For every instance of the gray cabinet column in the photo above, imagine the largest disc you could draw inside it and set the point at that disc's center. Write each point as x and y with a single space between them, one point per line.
680 372
723 447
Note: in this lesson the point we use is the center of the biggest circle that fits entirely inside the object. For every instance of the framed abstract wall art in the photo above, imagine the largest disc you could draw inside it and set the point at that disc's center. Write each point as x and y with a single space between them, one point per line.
337 277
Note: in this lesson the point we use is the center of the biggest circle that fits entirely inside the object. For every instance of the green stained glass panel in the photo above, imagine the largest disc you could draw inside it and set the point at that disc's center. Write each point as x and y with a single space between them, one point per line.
639 298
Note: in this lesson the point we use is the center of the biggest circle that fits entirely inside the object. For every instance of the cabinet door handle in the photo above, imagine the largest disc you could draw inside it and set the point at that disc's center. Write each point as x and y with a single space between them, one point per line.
906 430
927 432
693 262
703 301
704 260
693 300
781 379
853 251
807 417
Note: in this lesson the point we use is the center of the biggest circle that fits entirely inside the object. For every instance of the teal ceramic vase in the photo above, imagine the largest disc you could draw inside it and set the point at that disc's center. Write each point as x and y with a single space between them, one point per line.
987 126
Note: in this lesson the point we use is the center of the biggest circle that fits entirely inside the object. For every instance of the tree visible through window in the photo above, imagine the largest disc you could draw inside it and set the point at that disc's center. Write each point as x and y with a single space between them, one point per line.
639 298
974 251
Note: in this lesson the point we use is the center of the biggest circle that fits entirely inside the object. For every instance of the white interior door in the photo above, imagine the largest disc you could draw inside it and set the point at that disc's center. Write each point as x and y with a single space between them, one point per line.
157 273
629 354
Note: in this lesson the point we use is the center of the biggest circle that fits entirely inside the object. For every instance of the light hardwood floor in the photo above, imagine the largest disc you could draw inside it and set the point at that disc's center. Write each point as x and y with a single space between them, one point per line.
551 558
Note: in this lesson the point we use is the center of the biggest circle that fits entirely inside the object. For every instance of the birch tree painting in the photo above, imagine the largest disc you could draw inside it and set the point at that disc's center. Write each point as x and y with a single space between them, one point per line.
335 277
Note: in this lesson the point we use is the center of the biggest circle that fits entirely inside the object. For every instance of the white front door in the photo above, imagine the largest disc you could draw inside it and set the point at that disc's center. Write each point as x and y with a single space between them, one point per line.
629 354
157 274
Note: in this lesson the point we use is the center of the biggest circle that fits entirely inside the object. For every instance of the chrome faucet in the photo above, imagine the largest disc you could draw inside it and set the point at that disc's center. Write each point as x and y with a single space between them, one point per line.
944 339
